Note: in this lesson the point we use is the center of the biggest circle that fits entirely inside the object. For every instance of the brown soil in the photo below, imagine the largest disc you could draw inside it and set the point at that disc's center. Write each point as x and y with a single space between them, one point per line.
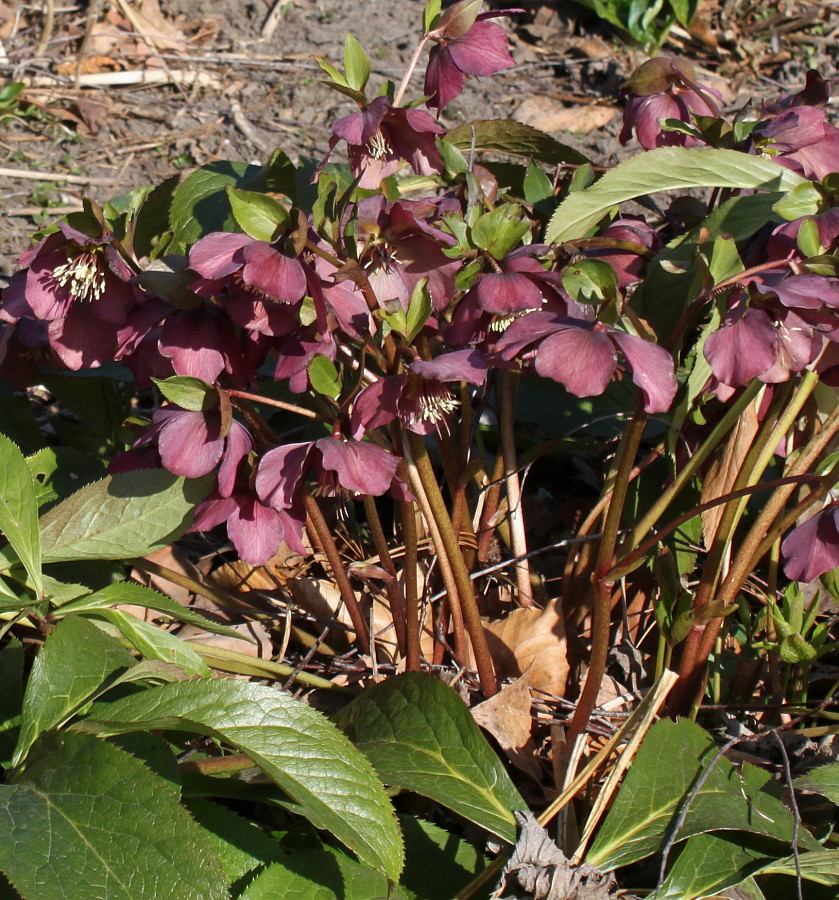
230 92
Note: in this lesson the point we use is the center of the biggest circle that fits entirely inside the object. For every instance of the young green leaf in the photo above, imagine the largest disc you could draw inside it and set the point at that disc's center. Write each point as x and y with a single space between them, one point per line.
75 661
420 736
672 757
323 376
86 819
187 392
590 281
19 509
419 309
329 780
123 515
664 169
500 230
258 215
356 64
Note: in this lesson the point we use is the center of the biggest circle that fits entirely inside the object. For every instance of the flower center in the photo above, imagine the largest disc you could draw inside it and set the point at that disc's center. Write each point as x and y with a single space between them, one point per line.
502 323
82 275
434 404
378 146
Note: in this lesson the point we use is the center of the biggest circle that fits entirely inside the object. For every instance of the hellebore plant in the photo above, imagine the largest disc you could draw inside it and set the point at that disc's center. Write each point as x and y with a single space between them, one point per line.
357 359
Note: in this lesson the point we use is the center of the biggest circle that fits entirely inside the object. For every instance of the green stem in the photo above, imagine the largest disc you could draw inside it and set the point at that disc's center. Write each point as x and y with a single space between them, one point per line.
515 512
339 573
412 609
449 546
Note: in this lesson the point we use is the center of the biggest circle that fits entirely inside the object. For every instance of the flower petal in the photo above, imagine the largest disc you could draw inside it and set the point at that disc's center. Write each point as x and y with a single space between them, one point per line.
360 468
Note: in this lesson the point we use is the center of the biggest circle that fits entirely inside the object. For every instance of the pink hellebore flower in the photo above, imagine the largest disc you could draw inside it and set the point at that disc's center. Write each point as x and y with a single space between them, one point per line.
381 136
465 44
812 548
801 139
664 88
420 398
584 356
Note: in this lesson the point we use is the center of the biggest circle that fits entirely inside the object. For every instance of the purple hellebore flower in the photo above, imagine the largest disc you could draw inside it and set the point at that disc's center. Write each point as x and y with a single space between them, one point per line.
801 139
583 356
465 44
80 285
419 398
381 136
257 265
343 469
812 548
399 248
663 88
816 92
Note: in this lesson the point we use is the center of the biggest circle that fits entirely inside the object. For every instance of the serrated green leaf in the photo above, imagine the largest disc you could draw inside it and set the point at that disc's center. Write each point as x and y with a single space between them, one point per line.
515 138
19 509
155 643
708 864
325 874
420 736
332 783
75 661
258 215
123 515
240 845
356 64
323 376
671 759
200 204
187 392
664 169
86 819
129 592
437 863
822 780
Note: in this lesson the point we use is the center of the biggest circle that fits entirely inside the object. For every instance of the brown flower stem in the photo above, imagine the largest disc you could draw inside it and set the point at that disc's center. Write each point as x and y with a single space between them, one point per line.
394 595
406 78
486 528
279 404
508 383
413 652
602 595
446 570
449 548
339 572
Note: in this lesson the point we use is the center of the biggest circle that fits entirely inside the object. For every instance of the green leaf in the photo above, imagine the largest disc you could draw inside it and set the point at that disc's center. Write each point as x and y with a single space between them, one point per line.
356 64
419 309
803 200
323 376
590 281
420 736
61 471
430 15
822 780
664 169
240 845
155 643
100 402
258 215
708 864
437 863
86 819
537 185
325 874
725 261
200 204
499 230
11 696
808 238
821 866
19 509
671 759
129 592
333 784
123 515
75 661
187 392
515 138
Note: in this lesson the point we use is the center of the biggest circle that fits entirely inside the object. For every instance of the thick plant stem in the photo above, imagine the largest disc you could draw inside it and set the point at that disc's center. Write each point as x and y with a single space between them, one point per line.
602 601
394 595
449 547
515 513
413 651
339 573
446 571
486 528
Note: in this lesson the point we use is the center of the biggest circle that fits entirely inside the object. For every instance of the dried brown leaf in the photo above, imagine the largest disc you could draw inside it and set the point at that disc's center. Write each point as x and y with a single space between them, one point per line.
506 716
531 641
